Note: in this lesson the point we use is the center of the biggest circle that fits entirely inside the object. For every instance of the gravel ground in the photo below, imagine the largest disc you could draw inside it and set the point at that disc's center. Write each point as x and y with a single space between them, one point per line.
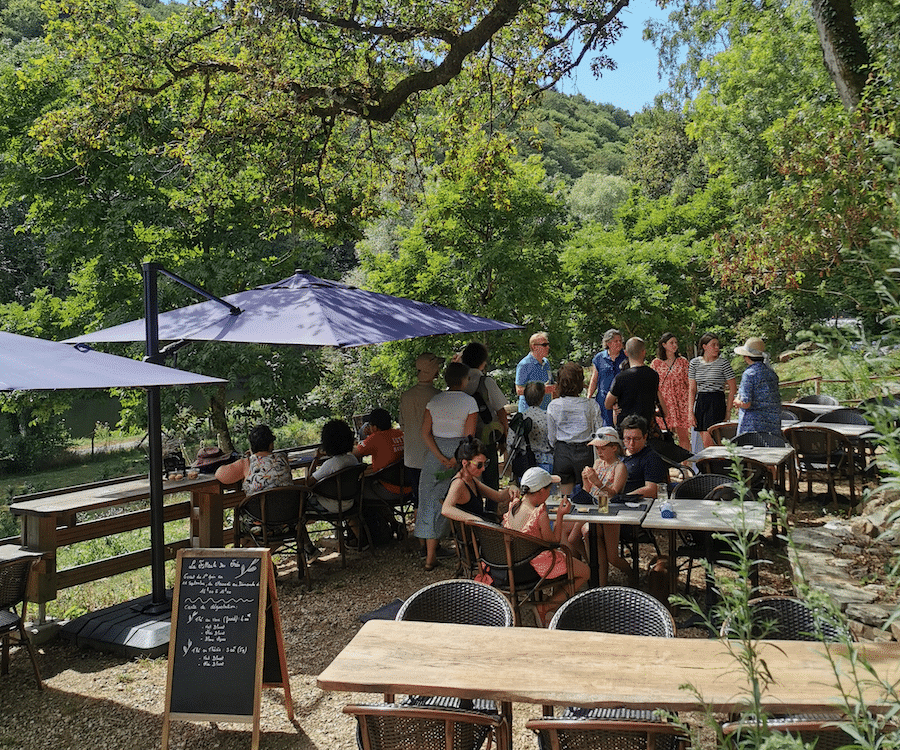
97 701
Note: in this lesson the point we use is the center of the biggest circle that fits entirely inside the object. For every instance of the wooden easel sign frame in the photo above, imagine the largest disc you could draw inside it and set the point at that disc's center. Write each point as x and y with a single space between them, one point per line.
224 600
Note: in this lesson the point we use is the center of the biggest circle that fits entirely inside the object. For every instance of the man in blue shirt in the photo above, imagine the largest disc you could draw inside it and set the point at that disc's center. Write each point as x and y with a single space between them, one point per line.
535 367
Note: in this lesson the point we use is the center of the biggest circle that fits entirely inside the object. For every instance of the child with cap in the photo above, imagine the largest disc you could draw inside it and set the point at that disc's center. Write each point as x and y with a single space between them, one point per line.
529 515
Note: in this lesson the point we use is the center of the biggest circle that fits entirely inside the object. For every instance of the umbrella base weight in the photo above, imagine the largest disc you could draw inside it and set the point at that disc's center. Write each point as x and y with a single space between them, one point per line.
128 629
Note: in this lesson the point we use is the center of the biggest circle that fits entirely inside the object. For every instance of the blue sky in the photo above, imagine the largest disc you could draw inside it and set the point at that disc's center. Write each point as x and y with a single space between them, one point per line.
635 82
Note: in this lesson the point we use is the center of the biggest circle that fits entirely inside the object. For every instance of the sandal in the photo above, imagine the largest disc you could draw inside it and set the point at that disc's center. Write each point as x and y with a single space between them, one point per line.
432 566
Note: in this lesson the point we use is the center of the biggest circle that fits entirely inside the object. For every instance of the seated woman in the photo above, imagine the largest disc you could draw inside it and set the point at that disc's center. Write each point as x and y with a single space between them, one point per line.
336 448
529 515
605 479
465 499
261 468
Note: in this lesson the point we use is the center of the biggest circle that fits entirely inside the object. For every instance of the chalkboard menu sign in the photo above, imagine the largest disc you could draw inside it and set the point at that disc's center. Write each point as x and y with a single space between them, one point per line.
225 629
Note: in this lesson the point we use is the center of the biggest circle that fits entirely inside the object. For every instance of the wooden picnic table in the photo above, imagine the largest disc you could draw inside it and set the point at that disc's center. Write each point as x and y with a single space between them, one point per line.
575 668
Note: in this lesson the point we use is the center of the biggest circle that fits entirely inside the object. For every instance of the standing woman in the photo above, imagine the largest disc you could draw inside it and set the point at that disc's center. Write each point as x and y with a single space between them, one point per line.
604 368
449 418
572 421
759 399
708 377
672 369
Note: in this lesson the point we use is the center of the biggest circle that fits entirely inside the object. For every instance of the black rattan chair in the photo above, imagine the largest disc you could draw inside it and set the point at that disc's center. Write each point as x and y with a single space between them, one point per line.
790 619
761 440
392 727
803 414
624 611
506 555
615 609
345 488
13 585
698 487
825 454
817 730
458 601
843 416
571 733
272 518
787 618
822 399
722 431
462 602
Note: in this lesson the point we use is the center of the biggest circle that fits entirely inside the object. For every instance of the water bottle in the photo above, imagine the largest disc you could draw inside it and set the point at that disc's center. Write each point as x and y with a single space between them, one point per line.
666 510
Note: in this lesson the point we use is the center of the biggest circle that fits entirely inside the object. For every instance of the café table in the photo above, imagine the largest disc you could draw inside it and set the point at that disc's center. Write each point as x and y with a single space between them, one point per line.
706 515
630 514
597 670
817 409
779 461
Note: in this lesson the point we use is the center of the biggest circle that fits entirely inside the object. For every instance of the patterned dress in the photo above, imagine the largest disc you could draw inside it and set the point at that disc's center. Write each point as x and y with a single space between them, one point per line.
550 563
604 474
268 471
673 392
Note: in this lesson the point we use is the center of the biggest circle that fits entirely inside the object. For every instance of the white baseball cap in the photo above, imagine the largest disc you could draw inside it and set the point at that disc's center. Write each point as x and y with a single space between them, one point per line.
536 478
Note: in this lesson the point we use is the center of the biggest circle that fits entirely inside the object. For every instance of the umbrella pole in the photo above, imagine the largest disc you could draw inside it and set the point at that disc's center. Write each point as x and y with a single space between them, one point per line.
159 601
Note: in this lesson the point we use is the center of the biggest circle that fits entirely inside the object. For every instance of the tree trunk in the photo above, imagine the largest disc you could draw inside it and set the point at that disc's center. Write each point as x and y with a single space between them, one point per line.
219 422
844 50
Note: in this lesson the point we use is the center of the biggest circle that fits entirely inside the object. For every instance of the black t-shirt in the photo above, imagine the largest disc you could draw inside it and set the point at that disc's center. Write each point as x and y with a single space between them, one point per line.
635 390
644 466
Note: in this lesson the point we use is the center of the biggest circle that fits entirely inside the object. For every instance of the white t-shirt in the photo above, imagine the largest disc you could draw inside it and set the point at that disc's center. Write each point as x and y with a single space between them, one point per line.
331 466
449 411
572 419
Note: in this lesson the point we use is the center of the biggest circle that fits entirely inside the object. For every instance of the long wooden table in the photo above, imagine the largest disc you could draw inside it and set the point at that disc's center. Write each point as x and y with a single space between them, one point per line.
570 668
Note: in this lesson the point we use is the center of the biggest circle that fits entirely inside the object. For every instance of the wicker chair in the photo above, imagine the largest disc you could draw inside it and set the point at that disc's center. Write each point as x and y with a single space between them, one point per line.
345 488
698 487
822 399
272 518
695 545
812 729
625 611
506 556
790 619
392 727
786 618
13 584
461 602
722 431
823 453
466 559
843 416
458 601
615 609
605 734
802 414
761 440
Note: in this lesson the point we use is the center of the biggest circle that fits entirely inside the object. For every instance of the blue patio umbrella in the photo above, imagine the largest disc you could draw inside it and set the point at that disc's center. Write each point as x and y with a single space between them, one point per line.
31 364
306 310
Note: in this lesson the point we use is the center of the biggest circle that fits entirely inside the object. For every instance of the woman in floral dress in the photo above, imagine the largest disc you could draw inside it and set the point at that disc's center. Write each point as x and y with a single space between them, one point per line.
672 369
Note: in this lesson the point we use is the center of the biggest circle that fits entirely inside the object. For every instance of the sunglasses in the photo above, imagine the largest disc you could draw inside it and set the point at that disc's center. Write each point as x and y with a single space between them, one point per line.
543 343
480 464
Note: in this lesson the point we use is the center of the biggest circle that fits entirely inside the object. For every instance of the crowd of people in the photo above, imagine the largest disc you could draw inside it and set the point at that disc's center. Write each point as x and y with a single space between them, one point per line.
590 439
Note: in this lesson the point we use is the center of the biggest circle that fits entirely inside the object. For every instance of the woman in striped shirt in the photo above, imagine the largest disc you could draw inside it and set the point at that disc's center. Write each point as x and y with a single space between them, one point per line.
708 377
